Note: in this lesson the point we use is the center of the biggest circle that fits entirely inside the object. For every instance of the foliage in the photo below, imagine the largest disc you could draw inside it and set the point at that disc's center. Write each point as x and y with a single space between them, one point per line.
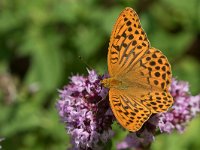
41 40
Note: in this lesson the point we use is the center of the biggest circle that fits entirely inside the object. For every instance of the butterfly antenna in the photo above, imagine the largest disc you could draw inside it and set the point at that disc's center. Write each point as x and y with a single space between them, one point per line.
101 101
84 62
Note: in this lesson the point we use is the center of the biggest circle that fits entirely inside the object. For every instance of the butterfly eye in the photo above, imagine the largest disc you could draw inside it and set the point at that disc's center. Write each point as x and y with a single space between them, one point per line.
105 83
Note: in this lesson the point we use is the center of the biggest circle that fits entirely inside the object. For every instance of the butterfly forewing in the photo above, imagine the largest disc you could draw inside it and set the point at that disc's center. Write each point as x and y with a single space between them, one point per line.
128 43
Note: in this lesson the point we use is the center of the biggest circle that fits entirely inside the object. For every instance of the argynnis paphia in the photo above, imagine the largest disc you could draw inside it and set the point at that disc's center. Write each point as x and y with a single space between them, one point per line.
140 75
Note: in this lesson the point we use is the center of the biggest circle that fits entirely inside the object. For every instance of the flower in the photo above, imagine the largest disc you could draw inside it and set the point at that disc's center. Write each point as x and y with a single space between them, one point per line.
140 139
83 107
185 108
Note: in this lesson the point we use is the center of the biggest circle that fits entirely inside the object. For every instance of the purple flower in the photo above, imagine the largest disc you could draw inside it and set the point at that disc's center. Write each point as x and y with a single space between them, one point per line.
183 111
83 107
140 139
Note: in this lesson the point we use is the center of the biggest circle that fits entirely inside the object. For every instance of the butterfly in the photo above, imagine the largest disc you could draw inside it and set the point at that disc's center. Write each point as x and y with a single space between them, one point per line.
140 75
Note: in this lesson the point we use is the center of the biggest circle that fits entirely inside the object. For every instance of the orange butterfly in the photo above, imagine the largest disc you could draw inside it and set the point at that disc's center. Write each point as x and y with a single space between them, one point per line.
140 75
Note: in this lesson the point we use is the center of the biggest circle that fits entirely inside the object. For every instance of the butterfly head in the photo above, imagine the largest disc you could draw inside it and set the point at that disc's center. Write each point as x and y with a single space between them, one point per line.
105 83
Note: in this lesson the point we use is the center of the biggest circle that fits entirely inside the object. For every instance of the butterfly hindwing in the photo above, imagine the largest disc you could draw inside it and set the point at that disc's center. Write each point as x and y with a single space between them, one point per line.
157 101
129 113
156 68
153 70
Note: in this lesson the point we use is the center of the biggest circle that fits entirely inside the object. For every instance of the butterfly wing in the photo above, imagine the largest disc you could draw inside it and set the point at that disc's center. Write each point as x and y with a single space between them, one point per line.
128 43
128 111
153 71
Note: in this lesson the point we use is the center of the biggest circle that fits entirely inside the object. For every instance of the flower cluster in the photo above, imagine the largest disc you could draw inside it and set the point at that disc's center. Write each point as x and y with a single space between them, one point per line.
183 111
139 139
84 109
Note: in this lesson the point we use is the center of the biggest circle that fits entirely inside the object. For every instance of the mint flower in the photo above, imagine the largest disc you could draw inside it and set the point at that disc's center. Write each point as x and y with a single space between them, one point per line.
140 139
83 107
185 108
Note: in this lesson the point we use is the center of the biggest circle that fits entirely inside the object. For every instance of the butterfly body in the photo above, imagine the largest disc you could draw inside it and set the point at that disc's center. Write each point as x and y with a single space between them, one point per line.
140 75
114 83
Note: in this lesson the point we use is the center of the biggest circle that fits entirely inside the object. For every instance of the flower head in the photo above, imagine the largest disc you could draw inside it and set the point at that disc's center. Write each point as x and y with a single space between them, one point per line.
78 107
183 111
139 139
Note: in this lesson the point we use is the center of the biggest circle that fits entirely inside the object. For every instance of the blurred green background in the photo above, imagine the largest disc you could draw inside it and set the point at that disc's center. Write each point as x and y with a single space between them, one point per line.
41 40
